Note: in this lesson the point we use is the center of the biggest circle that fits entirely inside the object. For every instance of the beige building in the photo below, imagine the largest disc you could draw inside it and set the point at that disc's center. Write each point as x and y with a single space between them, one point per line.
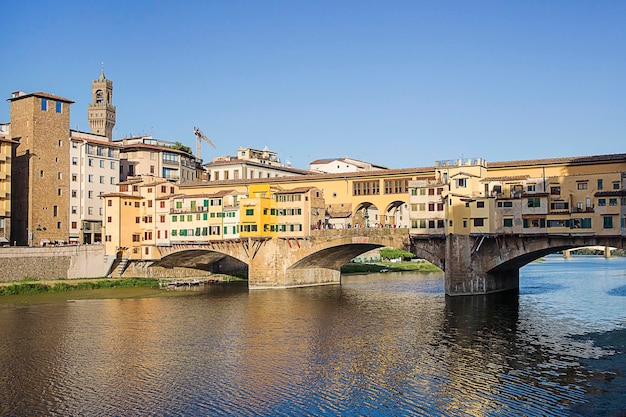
249 164
146 156
134 222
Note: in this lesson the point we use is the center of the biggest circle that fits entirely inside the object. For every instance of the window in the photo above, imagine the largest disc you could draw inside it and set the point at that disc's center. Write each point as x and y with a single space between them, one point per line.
90 162
582 185
89 210
508 222
600 184
530 187
602 202
109 219
555 190
112 165
608 222
559 205
90 178
59 175
249 212
137 219
55 211
616 185
44 104
59 106
101 179
479 222
461 182
90 194
74 225
109 203
505 204
612 201
74 160
480 204
534 202
74 210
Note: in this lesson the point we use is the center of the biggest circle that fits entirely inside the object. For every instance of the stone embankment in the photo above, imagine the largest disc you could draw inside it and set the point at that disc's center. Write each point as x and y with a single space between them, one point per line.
53 262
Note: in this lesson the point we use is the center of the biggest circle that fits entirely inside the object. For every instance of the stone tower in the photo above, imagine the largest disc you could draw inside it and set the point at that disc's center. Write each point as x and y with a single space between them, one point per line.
40 179
101 113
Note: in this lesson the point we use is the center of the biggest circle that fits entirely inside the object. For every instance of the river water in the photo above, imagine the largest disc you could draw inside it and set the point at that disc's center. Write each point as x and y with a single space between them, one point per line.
377 345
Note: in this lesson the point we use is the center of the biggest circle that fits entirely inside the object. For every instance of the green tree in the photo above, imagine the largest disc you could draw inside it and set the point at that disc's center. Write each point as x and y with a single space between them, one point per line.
181 147
391 253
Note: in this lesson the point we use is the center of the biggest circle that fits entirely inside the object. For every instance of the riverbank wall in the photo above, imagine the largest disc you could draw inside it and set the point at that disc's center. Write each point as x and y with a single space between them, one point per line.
53 262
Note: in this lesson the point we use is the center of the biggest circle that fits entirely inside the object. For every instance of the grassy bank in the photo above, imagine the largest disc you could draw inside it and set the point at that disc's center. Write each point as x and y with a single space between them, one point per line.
36 287
353 268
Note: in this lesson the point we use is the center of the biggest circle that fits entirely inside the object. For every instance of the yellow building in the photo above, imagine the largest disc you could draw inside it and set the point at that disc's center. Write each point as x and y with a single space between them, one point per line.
258 211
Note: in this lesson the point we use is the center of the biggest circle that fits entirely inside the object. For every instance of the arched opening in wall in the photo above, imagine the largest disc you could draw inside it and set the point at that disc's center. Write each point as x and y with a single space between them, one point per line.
397 215
366 214
205 261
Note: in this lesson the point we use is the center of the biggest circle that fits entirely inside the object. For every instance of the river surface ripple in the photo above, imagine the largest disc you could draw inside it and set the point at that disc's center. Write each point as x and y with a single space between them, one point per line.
382 344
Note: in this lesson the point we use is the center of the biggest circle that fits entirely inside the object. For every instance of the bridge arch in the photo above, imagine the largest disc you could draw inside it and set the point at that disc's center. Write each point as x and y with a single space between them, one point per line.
334 257
366 214
397 214
490 263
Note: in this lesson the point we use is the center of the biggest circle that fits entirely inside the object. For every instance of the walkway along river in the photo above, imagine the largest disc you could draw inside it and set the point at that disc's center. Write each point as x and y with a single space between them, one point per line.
380 344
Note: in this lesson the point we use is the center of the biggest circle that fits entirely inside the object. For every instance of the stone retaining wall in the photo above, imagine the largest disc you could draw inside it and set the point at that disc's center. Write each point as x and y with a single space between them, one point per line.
55 262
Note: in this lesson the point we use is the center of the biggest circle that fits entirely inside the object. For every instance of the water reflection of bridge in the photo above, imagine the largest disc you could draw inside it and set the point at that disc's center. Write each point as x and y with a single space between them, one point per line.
473 264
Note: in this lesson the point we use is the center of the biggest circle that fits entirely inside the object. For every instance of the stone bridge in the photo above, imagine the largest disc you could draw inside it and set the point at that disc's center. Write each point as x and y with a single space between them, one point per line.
287 262
472 264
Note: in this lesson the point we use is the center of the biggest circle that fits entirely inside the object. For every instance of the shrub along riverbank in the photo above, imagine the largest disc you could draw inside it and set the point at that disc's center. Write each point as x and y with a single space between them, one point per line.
35 287
355 267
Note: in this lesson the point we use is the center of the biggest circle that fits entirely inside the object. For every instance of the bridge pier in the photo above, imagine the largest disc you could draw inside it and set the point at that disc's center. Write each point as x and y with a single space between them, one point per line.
469 269
274 265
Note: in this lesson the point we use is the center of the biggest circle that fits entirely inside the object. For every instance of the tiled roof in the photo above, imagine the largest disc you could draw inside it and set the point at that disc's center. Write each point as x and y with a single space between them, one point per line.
565 160
613 193
41 94
510 178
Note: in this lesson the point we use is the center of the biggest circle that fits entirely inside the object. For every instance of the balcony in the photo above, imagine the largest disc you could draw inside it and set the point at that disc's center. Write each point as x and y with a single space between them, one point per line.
583 209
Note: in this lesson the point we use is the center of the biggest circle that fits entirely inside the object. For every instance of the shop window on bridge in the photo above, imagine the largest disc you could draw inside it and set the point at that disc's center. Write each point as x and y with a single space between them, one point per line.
602 202
431 224
508 222
530 223
559 223
479 222
608 222
616 185
507 204
612 201
584 223
431 191
555 190
480 204
440 224
174 232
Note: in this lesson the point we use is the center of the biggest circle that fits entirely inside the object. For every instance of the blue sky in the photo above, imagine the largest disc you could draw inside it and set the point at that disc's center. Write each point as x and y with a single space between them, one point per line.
397 83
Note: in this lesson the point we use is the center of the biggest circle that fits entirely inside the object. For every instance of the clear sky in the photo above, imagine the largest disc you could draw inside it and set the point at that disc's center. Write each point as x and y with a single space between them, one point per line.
397 83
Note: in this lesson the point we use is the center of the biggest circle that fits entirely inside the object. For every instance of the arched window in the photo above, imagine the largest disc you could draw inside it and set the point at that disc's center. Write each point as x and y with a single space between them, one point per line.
99 97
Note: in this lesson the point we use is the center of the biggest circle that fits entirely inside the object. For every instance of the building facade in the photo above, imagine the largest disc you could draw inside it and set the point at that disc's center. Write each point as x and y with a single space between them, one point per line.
94 171
40 125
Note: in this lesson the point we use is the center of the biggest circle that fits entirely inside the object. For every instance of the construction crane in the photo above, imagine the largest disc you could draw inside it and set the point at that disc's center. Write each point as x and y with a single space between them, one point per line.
199 138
